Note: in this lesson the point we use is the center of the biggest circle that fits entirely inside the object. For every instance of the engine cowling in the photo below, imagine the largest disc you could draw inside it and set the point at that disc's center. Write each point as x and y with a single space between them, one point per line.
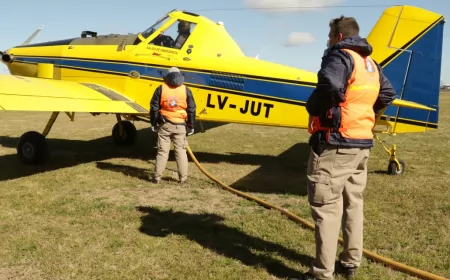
7 58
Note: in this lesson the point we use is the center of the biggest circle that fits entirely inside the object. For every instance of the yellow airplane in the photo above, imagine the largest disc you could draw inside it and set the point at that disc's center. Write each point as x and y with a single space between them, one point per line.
117 74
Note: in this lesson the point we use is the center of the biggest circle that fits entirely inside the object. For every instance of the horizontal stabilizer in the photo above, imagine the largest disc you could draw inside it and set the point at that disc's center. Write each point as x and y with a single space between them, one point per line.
410 104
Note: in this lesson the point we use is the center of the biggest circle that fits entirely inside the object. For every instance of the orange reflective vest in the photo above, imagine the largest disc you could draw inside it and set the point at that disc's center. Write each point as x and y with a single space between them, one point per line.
173 103
357 117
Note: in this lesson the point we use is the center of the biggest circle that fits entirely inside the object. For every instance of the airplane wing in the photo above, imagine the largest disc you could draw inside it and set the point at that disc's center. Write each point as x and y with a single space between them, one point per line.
19 93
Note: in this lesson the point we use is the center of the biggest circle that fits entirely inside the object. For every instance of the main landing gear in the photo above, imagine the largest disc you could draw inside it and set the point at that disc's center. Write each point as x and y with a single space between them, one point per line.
124 132
395 166
32 146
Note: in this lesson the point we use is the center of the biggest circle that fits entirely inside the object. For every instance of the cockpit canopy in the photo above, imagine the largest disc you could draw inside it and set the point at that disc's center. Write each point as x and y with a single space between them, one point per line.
178 29
174 35
149 31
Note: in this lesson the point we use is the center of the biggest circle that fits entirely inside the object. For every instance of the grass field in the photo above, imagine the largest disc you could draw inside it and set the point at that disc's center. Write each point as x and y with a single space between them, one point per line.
90 213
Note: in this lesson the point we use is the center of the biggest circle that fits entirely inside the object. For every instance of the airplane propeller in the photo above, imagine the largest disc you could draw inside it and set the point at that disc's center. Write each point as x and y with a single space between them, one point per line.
9 58
36 32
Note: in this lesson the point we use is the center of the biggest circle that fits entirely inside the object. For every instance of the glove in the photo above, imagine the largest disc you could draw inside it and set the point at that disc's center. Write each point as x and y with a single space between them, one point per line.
190 131
154 128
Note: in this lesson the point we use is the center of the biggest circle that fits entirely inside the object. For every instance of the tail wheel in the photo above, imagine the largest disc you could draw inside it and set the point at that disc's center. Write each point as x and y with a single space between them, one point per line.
32 148
393 168
129 134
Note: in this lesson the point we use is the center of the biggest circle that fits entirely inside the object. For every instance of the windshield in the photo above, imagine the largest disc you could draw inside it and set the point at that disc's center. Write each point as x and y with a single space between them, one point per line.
149 31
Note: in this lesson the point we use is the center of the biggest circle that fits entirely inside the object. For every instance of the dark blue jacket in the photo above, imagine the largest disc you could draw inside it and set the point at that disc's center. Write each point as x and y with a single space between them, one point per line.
335 71
174 79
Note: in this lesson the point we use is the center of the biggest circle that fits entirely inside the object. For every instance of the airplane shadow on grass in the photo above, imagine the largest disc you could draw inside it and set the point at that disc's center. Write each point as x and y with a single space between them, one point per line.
283 174
208 230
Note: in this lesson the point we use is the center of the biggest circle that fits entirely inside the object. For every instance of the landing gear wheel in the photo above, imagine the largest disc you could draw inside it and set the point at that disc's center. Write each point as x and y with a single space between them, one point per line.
393 168
128 137
32 148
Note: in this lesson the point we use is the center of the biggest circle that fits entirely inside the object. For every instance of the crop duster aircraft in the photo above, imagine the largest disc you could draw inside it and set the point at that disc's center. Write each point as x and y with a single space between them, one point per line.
117 74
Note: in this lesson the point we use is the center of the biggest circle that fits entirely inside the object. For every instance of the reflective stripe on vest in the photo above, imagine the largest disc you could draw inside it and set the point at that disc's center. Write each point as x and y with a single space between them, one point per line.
357 115
173 103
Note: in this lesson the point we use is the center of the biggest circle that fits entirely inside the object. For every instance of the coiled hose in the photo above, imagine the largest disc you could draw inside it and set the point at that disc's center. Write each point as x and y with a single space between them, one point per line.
393 264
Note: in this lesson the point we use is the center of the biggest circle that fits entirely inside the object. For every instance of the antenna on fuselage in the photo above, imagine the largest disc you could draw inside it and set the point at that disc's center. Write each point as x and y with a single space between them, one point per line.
27 41
257 56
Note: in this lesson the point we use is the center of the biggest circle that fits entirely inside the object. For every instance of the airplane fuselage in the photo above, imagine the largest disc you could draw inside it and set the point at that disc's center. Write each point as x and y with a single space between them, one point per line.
227 85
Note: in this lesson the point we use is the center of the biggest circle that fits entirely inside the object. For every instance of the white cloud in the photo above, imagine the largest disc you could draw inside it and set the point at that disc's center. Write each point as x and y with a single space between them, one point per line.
290 5
298 38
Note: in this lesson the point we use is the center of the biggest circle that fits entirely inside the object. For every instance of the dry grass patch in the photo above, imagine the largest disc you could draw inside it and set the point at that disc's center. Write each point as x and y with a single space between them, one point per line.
90 213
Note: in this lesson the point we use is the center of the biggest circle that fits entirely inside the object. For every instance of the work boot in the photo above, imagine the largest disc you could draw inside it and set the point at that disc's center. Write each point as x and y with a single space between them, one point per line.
153 180
349 272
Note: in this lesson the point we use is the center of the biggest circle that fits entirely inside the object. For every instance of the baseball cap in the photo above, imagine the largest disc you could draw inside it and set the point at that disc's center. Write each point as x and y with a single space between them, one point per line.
174 69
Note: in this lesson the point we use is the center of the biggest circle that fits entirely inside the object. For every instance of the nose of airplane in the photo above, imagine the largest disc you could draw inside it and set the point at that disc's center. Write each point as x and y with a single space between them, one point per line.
6 57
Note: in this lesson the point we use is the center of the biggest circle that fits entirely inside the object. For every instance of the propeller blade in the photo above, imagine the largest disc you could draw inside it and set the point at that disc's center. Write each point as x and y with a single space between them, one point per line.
27 41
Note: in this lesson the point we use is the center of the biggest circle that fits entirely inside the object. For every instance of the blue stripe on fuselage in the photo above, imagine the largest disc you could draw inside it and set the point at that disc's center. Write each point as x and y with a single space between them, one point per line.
299 93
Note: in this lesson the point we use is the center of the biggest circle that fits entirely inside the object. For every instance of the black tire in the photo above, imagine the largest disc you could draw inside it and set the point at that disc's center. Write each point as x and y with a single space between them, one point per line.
32 148
129 134
393 169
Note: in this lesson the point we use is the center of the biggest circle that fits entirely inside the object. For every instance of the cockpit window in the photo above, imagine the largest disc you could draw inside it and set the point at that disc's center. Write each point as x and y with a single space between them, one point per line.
149 31
175 35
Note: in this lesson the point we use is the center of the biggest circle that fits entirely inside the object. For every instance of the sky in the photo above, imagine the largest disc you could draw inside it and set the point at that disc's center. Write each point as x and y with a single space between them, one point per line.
294 37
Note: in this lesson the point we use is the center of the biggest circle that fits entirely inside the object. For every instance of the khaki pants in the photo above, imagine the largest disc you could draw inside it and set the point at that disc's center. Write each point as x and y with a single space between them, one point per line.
167 133
336 180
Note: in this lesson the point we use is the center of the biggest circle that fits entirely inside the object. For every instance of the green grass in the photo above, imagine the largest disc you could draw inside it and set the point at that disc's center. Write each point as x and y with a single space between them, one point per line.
91 214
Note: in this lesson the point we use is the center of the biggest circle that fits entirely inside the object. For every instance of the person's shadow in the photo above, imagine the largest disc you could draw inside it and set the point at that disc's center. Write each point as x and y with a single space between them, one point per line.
208 231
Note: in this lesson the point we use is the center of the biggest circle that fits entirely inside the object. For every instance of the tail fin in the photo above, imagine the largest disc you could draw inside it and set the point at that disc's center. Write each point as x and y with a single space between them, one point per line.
407 43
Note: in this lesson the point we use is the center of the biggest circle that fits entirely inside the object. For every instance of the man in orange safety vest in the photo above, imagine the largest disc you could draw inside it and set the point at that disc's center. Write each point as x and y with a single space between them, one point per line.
351 89
172 116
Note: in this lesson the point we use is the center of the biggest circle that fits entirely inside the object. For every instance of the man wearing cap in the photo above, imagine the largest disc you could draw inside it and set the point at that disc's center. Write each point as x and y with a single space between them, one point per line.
184 30
172 116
